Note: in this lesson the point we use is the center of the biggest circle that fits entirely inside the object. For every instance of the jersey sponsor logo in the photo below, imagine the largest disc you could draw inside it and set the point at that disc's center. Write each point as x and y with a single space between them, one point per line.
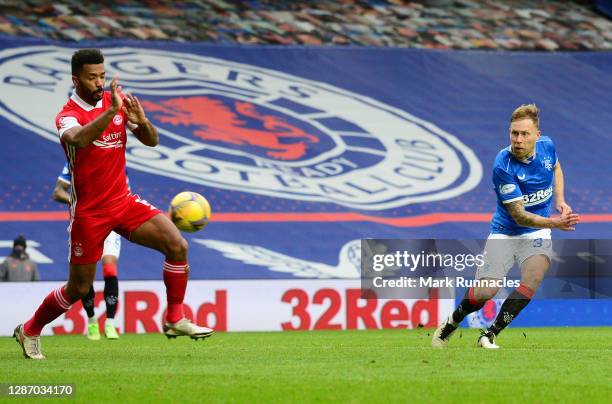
537 197
113 136
111 140
506 189
241 127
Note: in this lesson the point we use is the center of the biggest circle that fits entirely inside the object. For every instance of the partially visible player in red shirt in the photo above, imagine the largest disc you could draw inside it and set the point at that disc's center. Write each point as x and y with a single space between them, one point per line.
92 130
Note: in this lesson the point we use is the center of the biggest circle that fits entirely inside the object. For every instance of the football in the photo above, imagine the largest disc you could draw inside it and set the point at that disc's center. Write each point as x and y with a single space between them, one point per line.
189 211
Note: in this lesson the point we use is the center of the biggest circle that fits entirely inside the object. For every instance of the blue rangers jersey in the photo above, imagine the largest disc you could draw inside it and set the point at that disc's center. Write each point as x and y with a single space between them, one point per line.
530 180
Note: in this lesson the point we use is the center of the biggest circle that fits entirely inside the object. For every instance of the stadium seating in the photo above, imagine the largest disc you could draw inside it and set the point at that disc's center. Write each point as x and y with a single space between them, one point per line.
461 24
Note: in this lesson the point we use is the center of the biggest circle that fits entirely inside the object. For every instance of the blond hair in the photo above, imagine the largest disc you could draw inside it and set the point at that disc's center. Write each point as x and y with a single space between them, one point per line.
525 111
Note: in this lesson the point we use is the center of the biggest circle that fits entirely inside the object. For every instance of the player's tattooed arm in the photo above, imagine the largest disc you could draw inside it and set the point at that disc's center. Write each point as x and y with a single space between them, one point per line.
527 219
524 218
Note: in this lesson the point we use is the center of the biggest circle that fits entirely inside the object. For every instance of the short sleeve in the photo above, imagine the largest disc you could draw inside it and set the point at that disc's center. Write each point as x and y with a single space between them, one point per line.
65 122
506 187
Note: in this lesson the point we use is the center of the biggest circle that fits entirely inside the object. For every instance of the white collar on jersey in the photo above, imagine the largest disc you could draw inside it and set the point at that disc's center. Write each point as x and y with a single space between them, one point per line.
87 107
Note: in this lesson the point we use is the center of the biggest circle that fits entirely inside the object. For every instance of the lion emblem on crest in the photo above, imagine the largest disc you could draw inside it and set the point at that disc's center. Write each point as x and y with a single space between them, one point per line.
216 122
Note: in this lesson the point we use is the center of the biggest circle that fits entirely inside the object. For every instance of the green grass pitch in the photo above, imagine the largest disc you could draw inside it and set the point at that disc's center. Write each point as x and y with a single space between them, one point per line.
533 365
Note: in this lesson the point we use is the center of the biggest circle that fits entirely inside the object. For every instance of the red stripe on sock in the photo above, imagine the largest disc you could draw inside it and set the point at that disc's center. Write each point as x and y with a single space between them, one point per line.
57 293
166 265
173 271
525 291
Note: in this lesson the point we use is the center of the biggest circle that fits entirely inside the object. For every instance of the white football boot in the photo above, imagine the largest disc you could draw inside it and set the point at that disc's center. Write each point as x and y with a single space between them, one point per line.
443 333
487 340
30 345
187 328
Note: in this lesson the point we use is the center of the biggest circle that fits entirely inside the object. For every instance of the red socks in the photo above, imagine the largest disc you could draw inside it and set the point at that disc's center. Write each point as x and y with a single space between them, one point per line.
109 270
55 304
176 274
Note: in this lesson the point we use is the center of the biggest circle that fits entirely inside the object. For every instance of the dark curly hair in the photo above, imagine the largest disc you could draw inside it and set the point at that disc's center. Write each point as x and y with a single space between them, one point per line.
85 57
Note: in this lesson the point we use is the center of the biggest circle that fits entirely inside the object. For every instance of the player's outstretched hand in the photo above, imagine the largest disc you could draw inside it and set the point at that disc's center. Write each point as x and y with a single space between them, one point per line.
116 99
133 110
567 222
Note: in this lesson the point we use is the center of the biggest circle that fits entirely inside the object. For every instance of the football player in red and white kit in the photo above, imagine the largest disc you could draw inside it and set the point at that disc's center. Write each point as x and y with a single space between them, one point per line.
92 130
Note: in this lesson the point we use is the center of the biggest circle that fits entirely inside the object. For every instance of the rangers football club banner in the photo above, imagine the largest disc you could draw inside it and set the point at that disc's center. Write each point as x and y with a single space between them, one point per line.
302 152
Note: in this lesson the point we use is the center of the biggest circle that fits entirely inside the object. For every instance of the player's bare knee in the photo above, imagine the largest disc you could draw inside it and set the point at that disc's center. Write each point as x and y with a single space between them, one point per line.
109 259
532 280
176 248
83 289
77 290
533 271
536 264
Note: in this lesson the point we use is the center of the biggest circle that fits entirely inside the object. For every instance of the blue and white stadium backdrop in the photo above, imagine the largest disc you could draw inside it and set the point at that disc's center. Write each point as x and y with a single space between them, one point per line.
302 152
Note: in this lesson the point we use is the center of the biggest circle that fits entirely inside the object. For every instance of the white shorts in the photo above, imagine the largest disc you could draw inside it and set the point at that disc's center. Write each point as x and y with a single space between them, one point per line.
501 252
112 245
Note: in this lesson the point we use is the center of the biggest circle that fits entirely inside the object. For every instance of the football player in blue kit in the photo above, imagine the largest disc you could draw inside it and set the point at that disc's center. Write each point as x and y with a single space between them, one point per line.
526 177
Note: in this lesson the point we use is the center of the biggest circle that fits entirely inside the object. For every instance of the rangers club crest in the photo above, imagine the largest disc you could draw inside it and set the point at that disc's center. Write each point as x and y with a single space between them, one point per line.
241 127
